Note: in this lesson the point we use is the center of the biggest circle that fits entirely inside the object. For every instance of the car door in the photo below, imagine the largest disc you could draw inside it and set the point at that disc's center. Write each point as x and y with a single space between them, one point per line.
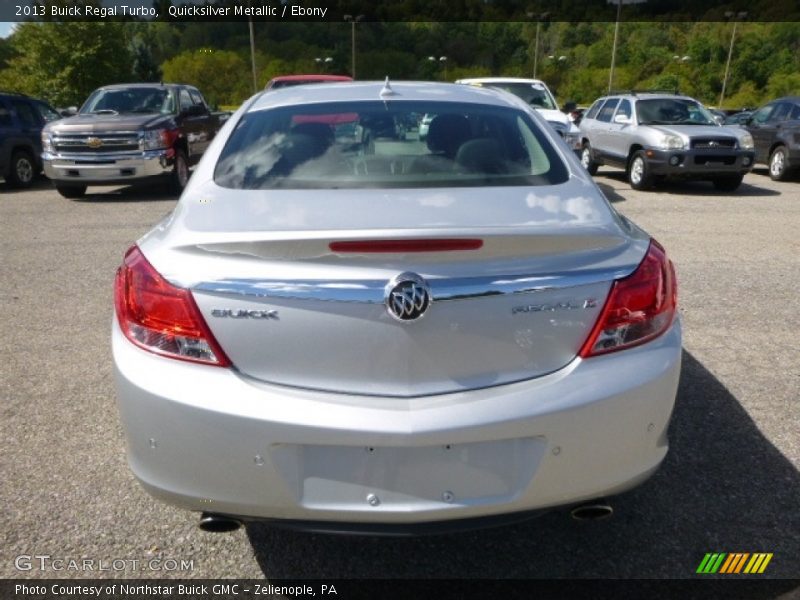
762 128
192 125
588 123
617 134
202 118
602 137
30 123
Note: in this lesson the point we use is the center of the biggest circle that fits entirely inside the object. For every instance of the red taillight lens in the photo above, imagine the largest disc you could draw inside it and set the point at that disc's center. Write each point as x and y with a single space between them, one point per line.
160 317
640 307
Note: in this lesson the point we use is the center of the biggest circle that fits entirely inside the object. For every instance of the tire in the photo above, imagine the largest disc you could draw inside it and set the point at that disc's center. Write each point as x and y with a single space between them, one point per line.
779 164
586 159
23 169
638 172
180 173
728 183
71 191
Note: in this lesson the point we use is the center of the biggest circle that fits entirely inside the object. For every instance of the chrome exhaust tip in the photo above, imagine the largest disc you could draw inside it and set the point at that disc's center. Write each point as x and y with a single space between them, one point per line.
596 510
218 524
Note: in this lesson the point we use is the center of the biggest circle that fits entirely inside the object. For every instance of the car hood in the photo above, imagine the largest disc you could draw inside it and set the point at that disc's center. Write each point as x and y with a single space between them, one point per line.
553 115
694 131
107 123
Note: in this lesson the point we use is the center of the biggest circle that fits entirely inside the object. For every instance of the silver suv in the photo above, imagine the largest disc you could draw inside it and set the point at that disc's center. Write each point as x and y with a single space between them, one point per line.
656 135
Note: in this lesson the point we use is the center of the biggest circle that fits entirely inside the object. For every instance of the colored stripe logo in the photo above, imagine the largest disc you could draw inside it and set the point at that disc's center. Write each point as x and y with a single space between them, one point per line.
734 563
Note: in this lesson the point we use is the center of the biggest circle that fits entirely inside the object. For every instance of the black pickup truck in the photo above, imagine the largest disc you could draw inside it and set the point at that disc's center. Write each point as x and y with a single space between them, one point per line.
129 133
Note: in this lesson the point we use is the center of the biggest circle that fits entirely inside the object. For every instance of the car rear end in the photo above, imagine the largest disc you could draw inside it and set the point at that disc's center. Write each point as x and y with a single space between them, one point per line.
364 342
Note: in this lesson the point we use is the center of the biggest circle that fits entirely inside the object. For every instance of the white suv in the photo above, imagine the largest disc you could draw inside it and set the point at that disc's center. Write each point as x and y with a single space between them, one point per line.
536 93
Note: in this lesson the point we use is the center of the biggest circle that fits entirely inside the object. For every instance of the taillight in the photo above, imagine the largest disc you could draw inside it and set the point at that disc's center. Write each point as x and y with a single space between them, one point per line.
639 308
162 318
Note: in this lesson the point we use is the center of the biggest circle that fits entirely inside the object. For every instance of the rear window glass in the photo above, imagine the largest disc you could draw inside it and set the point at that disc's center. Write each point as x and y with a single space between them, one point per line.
380 145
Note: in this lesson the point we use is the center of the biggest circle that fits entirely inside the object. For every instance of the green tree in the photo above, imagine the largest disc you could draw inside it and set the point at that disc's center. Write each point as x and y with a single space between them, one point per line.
783 84
64 62
144 66
745 96
223 76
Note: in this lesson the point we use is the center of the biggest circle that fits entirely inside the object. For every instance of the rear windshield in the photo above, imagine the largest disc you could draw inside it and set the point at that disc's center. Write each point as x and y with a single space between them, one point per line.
381 145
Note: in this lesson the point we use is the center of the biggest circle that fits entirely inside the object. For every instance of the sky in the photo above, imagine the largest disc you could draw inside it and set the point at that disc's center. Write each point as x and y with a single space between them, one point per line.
5 29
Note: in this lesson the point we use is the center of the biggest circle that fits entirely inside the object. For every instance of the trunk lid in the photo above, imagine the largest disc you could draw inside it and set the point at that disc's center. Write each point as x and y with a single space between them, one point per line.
287 309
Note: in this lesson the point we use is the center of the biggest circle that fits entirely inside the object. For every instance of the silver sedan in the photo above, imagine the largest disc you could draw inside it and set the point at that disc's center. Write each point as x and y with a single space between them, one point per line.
340 329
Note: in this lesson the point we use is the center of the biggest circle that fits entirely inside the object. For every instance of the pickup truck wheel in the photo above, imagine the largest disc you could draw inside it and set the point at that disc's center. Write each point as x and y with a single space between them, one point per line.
180 172
728 183
586 159
638 173
23 169
71 191
778 164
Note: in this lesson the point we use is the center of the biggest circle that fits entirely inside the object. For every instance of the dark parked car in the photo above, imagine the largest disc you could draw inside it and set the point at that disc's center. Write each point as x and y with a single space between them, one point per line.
21 122
775 128
739 118
130 134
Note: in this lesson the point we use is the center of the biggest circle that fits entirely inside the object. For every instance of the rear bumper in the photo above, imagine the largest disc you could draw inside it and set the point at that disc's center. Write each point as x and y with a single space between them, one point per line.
208 439
101 169
699 163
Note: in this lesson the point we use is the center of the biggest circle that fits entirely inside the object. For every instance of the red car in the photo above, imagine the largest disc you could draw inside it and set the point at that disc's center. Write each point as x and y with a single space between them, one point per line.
290 80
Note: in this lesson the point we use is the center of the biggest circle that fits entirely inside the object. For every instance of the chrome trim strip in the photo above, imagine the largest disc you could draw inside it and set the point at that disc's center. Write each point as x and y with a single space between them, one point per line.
372 291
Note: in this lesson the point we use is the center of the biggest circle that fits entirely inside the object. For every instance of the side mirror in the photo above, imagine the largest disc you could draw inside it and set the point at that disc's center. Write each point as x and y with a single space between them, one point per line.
622 119
719 120
70 111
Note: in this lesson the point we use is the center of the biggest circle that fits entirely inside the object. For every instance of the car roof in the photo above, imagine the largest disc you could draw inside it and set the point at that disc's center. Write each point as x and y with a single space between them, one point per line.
360 91
317 77
501 80
20 96
117 86
650 96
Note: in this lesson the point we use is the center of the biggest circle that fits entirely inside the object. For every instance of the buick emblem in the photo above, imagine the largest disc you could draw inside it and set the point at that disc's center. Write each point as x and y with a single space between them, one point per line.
407 297
94 142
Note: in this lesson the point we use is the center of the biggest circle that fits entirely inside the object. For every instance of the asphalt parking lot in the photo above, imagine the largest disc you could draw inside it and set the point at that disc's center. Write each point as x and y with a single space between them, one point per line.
730 482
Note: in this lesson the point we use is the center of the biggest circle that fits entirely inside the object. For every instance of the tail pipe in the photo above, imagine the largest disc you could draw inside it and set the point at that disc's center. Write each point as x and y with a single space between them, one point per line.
218 524
595 510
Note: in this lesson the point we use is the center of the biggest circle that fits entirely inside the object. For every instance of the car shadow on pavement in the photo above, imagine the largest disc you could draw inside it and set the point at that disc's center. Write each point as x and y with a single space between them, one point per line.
129 193
610 192
37 185
684 188
723 488
764 172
